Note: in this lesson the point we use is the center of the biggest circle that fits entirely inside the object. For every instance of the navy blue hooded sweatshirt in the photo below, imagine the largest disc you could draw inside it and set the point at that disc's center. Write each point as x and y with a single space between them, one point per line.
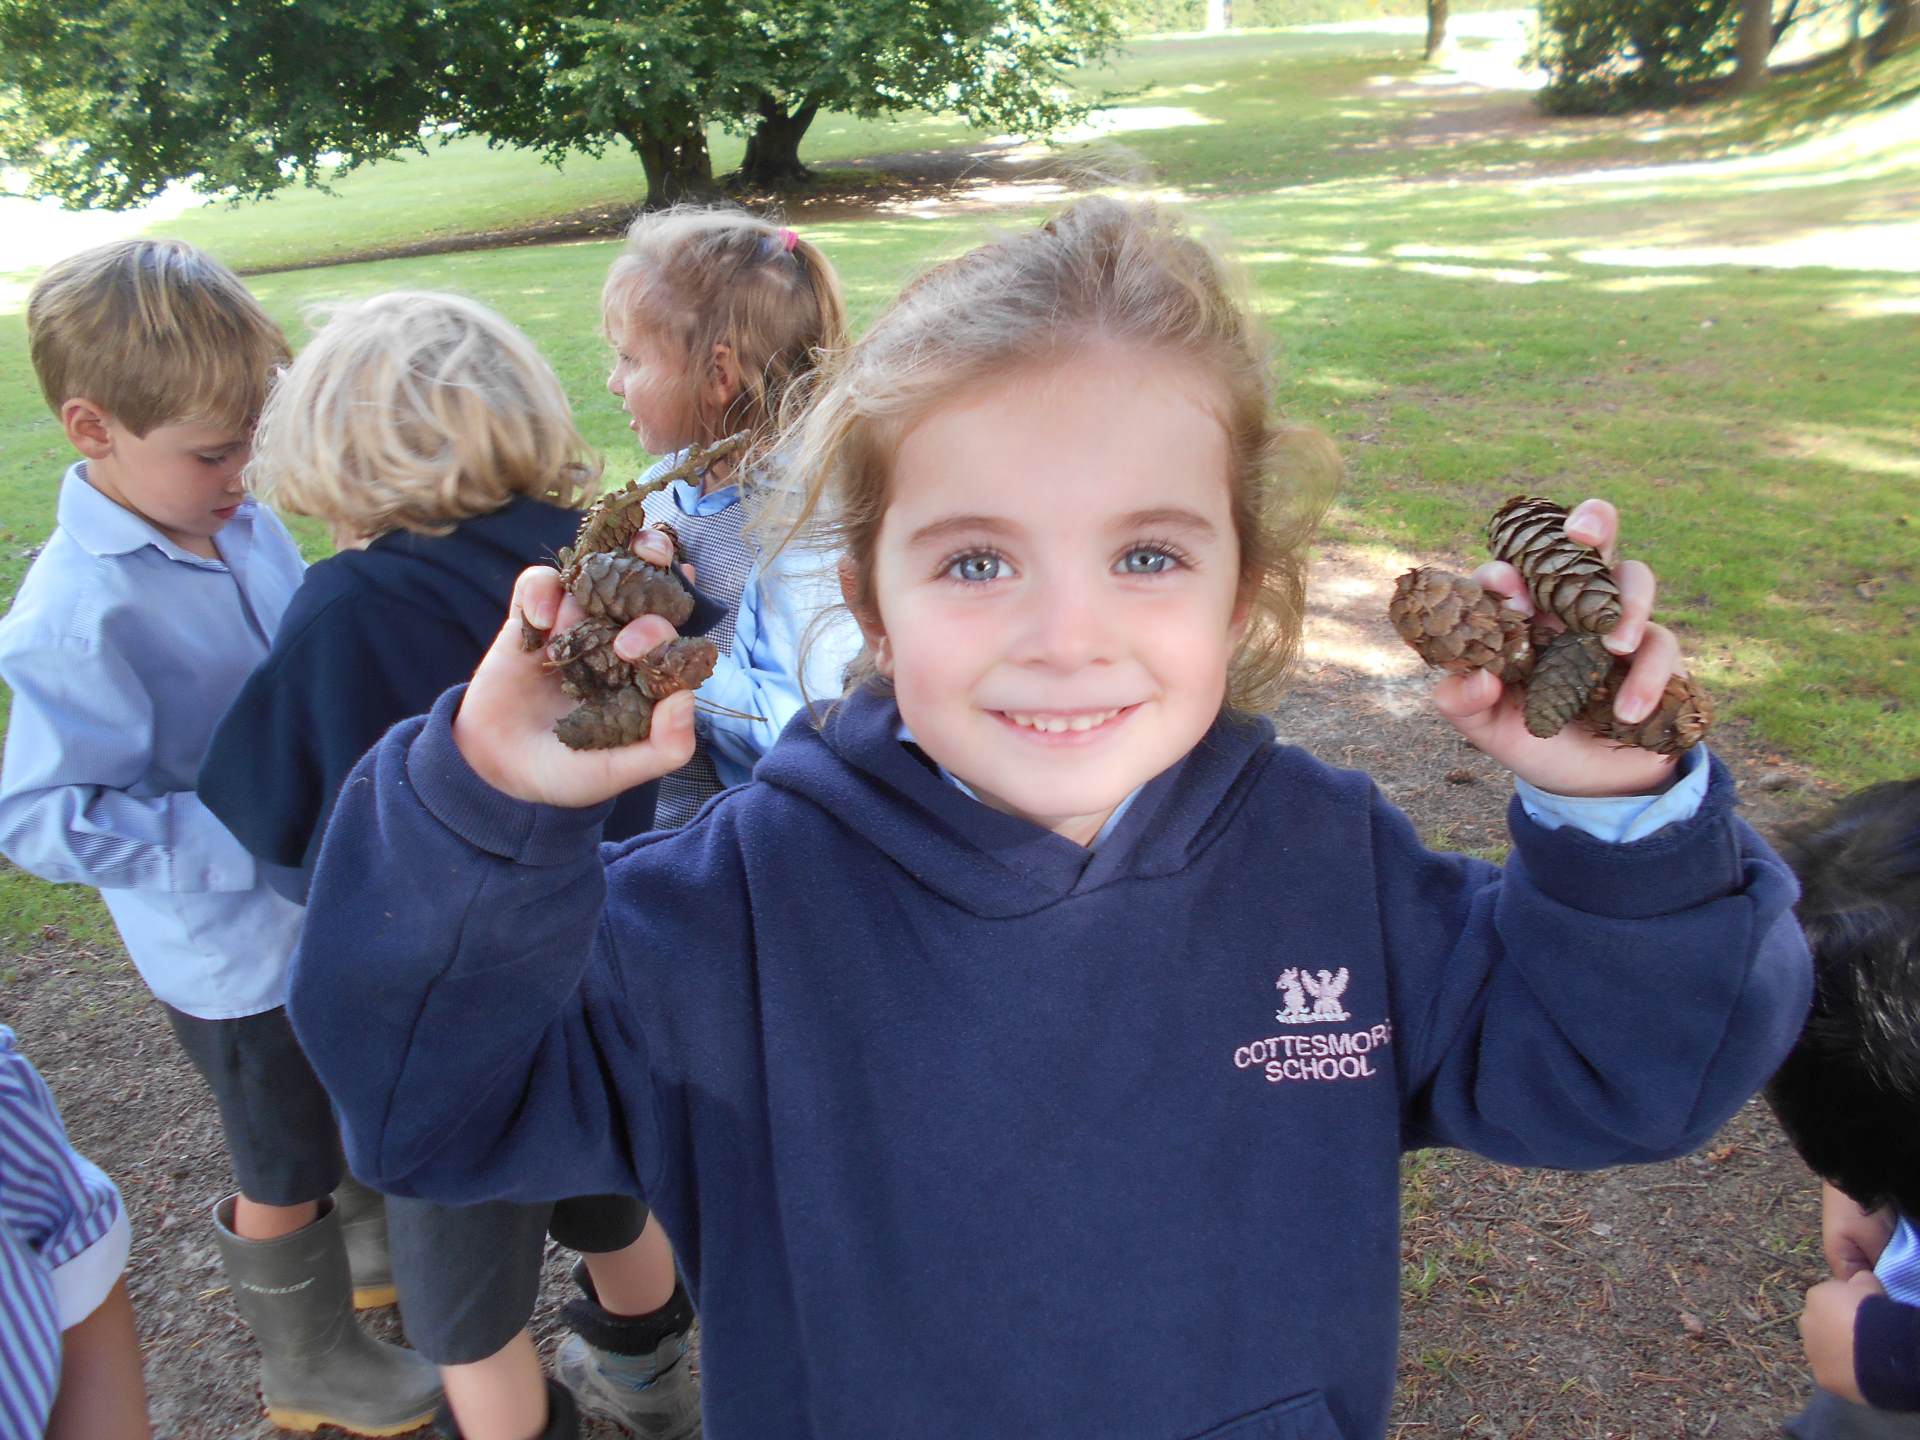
961 1129
372 636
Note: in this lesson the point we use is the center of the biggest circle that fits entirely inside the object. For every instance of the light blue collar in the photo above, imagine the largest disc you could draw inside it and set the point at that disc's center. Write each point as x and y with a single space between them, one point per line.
105 528
905 736
691 500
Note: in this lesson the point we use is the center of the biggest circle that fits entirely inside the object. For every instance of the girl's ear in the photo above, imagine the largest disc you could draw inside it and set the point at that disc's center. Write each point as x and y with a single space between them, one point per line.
722 385
867 618
87 428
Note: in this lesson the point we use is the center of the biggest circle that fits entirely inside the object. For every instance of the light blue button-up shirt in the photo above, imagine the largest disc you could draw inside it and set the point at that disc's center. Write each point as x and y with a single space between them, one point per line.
760 678
122 650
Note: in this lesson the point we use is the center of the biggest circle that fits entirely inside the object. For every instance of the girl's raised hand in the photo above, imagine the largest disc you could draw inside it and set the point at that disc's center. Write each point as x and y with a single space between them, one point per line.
505 724
1576 761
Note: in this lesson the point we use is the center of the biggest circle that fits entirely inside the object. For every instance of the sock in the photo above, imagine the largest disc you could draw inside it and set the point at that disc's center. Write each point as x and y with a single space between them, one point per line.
624 1334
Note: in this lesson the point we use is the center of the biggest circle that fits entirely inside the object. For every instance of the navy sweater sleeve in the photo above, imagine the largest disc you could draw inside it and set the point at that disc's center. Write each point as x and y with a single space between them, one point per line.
1594 1004
481 1045
338 676
1886 1353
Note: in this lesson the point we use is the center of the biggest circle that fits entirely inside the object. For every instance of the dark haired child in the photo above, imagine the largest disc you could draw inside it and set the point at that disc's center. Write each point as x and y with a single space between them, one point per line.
1848 1097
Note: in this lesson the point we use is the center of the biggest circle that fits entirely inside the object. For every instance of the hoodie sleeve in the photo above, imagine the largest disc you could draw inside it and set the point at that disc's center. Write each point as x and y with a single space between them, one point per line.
338 676
456 991
1886 1353
1593 1003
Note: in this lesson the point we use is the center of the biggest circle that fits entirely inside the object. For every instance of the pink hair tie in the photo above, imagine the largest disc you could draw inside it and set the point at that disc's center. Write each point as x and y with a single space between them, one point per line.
789 239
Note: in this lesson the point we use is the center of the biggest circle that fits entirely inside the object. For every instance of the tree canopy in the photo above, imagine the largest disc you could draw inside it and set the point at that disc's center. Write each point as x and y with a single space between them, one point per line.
103 102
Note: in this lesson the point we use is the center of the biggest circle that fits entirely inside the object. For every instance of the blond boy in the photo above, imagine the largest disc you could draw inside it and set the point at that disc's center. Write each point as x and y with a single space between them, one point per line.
156 595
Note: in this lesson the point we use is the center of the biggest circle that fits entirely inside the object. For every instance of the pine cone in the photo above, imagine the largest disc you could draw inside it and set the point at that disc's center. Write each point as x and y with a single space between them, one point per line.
623 588
682 663
622 718
1566 578
1570 666
1678 723
1454 624
587 663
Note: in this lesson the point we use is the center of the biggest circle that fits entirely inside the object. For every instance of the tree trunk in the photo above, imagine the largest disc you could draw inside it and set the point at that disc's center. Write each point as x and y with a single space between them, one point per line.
1436 28
773 150
674 155
1753 44
1856 41
1219 15
1902 24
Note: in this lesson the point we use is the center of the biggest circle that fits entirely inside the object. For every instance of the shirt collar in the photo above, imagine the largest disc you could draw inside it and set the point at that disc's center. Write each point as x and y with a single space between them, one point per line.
692 501
103 528
905 736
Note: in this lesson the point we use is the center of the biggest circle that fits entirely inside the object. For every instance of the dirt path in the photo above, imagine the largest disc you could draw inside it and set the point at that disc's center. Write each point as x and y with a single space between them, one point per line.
1648 1303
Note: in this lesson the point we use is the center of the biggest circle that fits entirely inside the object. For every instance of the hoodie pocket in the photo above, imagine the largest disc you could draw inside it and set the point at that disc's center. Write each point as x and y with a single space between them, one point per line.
1299 1417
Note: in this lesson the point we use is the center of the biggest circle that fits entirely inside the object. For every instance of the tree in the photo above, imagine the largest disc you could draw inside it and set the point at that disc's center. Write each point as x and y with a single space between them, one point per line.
103 102
1753 43
1436 28
1005 66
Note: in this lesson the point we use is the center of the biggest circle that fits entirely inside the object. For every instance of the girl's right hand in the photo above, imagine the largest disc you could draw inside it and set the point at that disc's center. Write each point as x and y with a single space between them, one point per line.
1851 1239
505 725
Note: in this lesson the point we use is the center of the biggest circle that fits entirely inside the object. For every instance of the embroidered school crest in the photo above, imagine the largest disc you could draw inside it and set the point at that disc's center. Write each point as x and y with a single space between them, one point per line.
1326 988
1312 997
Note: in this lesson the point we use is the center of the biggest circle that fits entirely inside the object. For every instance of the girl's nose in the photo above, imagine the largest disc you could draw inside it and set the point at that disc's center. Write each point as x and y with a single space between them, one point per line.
1067 627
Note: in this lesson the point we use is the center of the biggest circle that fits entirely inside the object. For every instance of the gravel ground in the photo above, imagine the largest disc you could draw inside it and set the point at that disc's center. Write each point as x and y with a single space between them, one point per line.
1649 1302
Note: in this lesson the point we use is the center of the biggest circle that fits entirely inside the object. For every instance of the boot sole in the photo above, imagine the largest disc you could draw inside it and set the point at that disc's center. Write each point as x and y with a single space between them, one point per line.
375 1297
306 1422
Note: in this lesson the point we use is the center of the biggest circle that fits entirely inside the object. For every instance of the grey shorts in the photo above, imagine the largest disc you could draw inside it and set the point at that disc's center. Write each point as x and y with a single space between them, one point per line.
280 1132
468 1274
1828 1417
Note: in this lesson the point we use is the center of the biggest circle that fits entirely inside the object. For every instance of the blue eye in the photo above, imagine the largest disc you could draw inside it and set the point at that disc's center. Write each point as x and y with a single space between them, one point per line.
976 568
1146 560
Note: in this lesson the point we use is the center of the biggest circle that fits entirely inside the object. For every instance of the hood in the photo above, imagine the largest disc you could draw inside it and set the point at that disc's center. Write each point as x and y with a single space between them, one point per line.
480 558
997 865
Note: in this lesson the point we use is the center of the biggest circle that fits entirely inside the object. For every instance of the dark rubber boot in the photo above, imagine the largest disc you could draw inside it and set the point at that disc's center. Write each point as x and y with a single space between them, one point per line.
563 1417
317 1366
363 1225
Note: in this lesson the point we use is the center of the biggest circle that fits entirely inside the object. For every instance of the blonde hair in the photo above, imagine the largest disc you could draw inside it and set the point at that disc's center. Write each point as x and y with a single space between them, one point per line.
415 410
698 276
154 332
1102 271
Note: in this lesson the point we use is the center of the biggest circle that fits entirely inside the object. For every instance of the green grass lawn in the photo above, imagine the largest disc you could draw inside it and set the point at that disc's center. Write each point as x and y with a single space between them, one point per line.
1725 351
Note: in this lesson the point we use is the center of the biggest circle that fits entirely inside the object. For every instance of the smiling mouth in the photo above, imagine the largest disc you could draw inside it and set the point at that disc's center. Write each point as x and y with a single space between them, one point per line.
1058 723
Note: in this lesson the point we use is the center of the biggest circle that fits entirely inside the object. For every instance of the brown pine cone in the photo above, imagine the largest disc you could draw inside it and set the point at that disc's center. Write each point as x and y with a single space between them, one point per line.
682 663
1454 624
622 718
587 663
623 588
1570 665
1566 578
1678 723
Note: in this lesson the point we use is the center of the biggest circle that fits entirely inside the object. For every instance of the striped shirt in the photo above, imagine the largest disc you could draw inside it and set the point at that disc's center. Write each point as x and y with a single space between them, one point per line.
63 1242
1898 1269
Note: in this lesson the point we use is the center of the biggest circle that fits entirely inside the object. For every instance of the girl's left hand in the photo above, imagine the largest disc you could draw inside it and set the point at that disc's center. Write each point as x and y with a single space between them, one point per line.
1826 1332
1575 762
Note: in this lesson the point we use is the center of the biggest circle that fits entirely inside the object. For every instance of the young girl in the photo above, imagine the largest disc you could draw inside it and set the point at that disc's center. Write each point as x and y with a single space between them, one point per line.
439 446
982 970
714 316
